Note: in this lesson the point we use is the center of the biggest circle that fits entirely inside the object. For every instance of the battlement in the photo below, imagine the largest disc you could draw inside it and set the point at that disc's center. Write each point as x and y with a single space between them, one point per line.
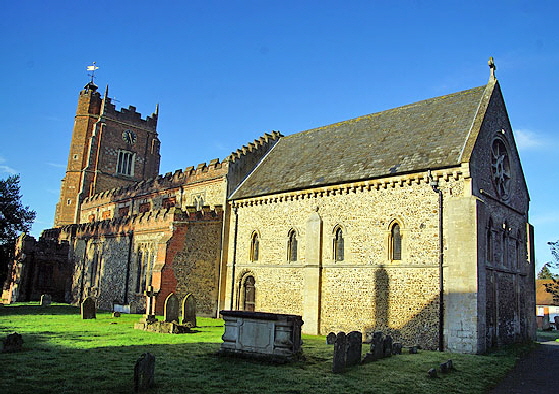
129 115
153 219
255 145
202 172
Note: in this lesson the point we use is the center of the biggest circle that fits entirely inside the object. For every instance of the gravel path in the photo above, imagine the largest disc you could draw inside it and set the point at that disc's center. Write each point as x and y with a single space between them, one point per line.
537 373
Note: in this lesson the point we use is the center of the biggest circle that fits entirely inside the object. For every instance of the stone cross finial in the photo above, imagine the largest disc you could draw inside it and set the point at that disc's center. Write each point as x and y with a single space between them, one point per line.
492 68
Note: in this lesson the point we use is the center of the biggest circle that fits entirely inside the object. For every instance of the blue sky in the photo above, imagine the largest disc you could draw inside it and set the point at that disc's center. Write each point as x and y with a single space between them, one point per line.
225 72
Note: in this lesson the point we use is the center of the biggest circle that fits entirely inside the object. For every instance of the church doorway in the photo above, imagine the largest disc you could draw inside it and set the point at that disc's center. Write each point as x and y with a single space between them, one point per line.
249 294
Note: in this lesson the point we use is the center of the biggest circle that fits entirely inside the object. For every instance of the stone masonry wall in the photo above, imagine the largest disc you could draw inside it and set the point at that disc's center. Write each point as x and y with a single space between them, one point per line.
367 290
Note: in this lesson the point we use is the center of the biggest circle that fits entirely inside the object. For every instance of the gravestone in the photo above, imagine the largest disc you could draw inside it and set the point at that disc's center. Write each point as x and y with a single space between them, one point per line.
189 311
46 300
116 314
171 308
447 366
354 348
13 343
387 351
144 372
413 349
378 343
432 373
88 308
331 338
397 348
340 347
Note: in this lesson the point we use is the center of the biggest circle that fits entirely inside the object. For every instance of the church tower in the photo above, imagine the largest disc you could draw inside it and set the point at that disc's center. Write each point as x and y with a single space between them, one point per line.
109 148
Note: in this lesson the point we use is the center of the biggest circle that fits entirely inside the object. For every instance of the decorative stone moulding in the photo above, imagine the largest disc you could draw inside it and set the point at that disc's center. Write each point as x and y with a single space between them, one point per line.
262 335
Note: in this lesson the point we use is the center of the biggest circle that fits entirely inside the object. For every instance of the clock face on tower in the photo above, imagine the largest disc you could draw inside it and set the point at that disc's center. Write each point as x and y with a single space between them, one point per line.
129 136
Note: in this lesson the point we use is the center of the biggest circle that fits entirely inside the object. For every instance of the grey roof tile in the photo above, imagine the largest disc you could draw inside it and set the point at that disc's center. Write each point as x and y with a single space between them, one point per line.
426 134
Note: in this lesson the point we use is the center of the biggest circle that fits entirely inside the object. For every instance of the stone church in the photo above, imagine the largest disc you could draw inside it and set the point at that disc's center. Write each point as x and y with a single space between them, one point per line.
412 221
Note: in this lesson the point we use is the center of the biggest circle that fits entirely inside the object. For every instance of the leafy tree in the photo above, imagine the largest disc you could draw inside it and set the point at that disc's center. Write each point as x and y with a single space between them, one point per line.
14 217
553 287
545 273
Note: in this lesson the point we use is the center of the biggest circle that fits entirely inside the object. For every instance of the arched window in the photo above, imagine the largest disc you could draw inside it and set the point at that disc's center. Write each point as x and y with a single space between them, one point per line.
489 242
249 290
505 244
395 242
338 244
254 247
518 251
140 285
292 246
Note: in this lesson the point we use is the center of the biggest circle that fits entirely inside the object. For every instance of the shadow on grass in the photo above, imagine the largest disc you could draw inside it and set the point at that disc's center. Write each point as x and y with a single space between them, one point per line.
34 309
63 353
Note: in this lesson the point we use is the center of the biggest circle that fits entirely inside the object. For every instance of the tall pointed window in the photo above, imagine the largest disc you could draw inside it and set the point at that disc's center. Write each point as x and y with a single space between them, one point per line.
338 244
292 246
395 242
140 284
489 242
254 247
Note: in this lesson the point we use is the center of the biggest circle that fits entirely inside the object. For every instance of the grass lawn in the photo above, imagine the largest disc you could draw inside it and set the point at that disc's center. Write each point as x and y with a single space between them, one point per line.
65 354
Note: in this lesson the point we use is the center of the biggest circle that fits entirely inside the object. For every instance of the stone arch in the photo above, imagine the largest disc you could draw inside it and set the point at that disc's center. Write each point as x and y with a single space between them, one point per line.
395 239
247 292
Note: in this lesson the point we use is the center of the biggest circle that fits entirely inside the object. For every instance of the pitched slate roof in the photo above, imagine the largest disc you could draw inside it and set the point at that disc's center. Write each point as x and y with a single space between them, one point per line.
427 134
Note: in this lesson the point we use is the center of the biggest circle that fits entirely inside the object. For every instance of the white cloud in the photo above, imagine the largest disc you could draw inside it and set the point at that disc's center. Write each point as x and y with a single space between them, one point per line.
528 139
56 165
6 169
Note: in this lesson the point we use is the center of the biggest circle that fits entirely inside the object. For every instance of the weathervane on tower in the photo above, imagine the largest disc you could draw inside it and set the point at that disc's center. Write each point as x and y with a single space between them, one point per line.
92 68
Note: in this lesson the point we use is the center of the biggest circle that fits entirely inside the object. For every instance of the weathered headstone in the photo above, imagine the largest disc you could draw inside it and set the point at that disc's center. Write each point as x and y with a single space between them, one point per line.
413 349
354 348
116 314
378 342
397 348
189 311
340 347
13 343
331 338
46 300
369 357
387 346
171 308
432 373
88 308
144 372
447 366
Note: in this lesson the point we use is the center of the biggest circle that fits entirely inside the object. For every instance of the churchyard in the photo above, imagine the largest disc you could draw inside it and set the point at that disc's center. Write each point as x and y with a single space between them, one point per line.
64 353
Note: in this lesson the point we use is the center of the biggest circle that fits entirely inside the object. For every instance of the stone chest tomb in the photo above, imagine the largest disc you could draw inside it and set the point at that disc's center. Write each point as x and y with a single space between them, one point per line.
260 334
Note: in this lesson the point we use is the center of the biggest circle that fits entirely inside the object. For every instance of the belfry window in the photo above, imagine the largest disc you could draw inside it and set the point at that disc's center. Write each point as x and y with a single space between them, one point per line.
292 246
125 164
338 245
254 247
395 242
